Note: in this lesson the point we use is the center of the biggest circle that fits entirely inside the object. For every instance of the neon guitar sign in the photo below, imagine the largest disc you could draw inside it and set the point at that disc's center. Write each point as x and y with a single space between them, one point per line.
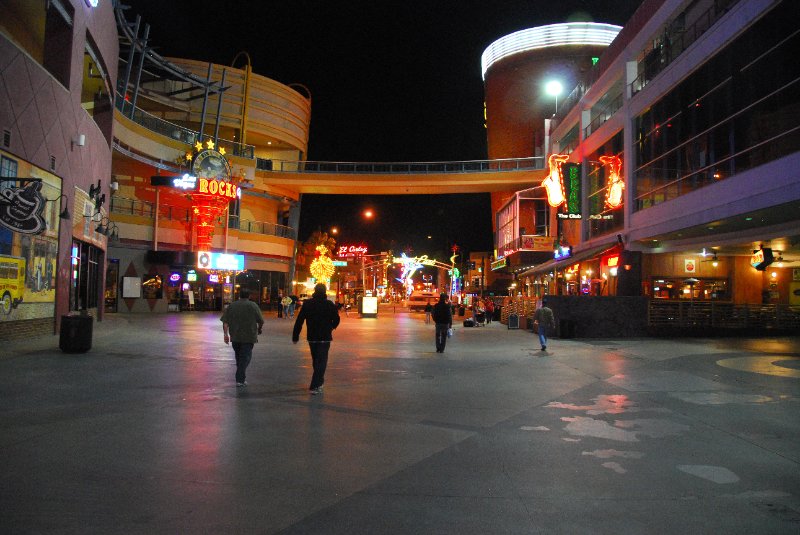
554 181
615 183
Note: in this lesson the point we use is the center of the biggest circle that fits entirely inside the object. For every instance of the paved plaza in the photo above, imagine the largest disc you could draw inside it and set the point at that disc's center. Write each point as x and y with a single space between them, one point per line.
147 433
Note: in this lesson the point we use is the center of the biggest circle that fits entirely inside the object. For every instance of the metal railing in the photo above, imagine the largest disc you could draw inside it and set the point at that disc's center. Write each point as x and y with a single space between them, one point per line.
673 42
146 209
468 166
722 316
261 227
177 132
604 115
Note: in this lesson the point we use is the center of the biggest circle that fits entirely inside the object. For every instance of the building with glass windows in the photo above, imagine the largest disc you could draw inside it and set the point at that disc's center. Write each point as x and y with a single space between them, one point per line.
681 148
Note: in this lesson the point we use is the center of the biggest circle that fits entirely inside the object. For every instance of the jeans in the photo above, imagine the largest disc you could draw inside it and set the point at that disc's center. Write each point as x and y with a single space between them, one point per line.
319 359
291 310
243 352
441 336
543 335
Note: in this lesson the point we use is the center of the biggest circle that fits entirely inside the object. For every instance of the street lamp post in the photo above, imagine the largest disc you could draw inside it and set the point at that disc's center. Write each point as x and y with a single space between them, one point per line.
554 89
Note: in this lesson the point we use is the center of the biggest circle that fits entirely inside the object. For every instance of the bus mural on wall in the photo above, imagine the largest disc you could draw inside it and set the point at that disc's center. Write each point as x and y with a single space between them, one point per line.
12 283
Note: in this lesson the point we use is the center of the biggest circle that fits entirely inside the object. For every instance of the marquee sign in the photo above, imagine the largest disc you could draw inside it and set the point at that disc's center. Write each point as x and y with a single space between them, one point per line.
352 250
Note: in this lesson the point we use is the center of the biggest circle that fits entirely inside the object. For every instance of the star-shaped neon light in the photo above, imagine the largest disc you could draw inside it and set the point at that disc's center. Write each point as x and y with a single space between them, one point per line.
198 146
210 143
222 150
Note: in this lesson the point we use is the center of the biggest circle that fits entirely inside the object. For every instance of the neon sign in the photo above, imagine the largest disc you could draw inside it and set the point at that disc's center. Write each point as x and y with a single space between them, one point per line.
615 184
186 181
219 187
562 252
352 250
213 278
230 262
322 266
554 181
175 277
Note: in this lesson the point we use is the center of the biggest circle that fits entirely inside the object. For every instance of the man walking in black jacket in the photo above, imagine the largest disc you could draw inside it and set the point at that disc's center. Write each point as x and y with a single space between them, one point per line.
443 317
321 319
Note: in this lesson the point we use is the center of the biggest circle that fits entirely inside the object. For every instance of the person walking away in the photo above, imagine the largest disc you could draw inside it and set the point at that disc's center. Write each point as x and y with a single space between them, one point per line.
293 305
321 318
443 318
428 310
242 322
280 304
545 322
489 307
285 302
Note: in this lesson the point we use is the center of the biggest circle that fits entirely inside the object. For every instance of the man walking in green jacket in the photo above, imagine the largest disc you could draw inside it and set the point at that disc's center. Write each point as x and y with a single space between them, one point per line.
242 322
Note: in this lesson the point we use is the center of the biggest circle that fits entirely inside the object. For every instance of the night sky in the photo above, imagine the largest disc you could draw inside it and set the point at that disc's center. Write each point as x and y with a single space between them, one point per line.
389 81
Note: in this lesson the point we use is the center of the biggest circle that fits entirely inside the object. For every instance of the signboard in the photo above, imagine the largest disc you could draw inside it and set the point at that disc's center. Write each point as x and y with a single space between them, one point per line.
369 306
229 262
352 250
21 208
762 258
536 243
562 252
572 191
689 265
340 263
131 287
499 264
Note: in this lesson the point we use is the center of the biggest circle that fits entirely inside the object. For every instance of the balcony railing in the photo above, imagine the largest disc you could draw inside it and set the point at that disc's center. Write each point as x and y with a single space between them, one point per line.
261 227
469 166
723 316
674 41
146 209
177 132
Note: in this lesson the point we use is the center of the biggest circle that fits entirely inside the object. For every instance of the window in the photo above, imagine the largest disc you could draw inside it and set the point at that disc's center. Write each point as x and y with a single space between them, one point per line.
96 89
57 57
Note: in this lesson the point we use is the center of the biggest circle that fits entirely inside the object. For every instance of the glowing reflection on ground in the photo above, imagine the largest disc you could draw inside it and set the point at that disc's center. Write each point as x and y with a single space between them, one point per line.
766 365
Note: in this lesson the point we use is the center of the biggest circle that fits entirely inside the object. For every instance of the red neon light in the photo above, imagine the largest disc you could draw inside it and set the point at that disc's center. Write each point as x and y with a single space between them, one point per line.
352 250
615 183
554 182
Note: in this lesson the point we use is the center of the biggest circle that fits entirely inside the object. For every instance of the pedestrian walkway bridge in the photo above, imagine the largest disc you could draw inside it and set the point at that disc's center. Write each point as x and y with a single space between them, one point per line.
400 178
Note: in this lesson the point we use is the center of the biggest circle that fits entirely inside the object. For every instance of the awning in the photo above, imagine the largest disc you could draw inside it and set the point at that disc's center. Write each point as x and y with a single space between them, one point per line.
552 265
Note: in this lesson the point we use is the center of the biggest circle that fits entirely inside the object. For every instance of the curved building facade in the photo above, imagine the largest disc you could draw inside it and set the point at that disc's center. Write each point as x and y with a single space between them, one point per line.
57 74
516 68
195 219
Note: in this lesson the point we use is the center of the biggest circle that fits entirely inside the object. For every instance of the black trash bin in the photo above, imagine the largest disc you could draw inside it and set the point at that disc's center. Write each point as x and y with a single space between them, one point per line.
566 329
76 334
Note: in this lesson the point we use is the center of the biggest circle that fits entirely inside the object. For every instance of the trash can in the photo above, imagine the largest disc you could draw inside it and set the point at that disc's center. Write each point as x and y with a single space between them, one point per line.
566 329
76 333
513 321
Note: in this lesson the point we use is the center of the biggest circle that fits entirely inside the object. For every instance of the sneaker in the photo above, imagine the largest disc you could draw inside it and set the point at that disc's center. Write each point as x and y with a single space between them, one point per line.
544 347
241 384
315 391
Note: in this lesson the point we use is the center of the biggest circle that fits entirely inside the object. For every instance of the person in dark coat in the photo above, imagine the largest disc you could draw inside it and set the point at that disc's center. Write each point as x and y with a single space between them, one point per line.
321 318
443 318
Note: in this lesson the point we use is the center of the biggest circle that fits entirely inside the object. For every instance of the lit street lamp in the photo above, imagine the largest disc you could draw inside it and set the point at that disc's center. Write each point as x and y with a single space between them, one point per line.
554 88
